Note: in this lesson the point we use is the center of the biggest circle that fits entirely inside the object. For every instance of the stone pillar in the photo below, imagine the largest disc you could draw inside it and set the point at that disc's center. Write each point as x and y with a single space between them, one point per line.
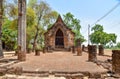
69 49
44 49
78 42
37 52
101 50
73 49
79 50
116 61
92 50
83 47
21 54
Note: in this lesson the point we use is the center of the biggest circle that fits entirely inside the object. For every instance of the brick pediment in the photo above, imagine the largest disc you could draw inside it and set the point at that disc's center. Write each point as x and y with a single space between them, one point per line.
59 24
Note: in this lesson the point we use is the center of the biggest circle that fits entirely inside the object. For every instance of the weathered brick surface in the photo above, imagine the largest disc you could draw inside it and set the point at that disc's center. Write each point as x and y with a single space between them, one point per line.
37 52
92 49
83 47
44 50
21 56
95 75
73 49
101 50
116 61
79 51
78 44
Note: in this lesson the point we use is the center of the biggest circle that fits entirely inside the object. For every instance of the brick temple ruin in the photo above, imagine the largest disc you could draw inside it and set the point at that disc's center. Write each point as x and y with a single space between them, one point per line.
59 36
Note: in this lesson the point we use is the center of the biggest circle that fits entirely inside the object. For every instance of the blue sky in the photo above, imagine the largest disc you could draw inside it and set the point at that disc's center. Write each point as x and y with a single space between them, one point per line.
89 11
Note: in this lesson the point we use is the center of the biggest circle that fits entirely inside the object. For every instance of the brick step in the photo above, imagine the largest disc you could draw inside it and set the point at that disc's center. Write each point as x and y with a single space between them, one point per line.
56 74
36 74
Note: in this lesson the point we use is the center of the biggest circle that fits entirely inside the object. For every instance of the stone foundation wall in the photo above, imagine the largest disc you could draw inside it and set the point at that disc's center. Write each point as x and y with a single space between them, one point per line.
18 71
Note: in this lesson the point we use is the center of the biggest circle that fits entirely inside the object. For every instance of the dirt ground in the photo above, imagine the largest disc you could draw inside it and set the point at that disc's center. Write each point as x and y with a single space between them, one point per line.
108 52
62 61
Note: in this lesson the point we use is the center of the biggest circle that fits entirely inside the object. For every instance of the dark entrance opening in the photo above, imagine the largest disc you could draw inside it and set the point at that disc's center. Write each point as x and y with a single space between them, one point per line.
59 39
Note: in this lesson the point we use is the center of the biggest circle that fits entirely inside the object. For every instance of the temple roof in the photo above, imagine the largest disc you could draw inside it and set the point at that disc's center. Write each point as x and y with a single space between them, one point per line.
59 20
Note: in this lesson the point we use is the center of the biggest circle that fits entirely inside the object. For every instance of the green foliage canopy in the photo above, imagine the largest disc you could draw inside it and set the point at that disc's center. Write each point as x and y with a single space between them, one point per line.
118 44
74 24
9 36
101 37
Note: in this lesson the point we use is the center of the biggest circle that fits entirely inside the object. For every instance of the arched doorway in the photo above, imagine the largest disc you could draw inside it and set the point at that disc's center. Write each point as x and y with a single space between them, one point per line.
59 39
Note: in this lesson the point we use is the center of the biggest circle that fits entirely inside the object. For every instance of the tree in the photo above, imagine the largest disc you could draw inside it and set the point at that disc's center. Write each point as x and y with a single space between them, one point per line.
1 20
32 3
118 44
74 24
41 10
8 35
31 21
100 37
68 19
97 27
49 19
11 9
44 18
10 25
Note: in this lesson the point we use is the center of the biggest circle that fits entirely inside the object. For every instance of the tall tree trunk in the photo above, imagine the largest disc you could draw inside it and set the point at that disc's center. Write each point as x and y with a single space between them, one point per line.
35 39
1 19
37 32
22 25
